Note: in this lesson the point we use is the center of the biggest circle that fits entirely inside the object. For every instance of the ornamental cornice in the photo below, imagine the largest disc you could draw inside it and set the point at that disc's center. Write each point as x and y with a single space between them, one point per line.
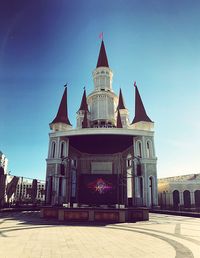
101 131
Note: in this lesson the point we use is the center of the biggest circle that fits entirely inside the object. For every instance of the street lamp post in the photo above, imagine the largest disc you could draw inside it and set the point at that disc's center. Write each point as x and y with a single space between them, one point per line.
135 172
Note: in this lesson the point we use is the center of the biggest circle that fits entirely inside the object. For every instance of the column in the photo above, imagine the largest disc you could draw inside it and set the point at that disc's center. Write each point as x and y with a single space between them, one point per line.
192 199
181 198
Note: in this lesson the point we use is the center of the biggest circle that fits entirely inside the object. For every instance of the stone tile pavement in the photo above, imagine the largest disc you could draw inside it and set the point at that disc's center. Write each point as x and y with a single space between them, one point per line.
25 235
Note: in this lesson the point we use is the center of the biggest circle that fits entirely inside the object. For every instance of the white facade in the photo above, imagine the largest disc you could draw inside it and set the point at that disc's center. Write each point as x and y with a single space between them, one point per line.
102 101
103 105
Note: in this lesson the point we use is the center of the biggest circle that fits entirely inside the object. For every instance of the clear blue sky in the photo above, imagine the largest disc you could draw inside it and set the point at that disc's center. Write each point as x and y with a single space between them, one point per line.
44 44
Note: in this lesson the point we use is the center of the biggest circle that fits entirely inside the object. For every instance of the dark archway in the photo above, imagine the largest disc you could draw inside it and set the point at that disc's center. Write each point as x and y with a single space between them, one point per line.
197 198
164 199
187 199
176 199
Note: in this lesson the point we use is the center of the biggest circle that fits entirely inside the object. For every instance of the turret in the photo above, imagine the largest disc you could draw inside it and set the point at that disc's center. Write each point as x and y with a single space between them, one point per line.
102 101
141 120
123 111
83 113
61 121
102 75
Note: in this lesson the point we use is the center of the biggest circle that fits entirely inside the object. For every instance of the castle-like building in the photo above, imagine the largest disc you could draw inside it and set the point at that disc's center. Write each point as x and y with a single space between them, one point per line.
106 159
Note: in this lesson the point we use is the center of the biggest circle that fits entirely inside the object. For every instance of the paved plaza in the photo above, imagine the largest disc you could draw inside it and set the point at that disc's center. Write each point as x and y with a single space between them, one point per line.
24 235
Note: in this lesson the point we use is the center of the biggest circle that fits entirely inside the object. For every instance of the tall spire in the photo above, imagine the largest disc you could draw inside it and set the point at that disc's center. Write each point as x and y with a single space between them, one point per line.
84 105
62 115
121 101
119 121
140 112
102 60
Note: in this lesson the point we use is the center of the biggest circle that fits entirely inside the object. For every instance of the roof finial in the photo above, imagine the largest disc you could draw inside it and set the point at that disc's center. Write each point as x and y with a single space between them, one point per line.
65 86
135 85
84 87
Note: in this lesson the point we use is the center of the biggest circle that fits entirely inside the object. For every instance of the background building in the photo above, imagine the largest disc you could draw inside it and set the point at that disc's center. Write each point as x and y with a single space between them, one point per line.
19 190
106 159
3 162
25 190
3 172
179 192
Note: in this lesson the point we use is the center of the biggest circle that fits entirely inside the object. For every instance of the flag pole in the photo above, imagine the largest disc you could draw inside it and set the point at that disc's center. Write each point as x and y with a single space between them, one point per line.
101 35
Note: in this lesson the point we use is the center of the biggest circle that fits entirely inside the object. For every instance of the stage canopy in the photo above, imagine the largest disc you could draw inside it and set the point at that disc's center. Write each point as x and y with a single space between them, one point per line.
101 144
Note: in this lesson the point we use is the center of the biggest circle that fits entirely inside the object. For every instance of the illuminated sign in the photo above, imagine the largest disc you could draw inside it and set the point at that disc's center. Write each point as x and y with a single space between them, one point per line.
98 189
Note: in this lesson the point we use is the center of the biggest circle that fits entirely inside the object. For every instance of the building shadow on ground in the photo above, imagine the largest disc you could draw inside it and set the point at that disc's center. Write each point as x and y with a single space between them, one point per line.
33 218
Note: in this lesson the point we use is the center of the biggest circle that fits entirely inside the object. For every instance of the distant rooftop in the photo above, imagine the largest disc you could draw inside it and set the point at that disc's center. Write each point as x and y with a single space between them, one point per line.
182 178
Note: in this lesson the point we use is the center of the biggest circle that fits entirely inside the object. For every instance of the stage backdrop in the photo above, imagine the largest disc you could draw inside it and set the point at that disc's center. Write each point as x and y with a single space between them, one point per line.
98 189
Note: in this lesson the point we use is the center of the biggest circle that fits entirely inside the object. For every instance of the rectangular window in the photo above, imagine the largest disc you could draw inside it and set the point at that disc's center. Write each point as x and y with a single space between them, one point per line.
101 167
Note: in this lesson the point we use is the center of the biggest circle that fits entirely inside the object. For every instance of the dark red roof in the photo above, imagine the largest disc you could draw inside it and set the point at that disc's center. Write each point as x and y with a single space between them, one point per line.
121 101
102 60
140 112
84 105
62 115
119 121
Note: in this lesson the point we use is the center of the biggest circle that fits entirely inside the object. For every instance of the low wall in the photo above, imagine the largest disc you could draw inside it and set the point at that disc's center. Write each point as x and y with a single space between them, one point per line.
178 213
95 214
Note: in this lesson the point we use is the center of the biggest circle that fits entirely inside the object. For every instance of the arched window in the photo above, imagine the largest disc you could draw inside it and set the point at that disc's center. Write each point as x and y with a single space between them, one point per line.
197 198
176 199
139 149
187 199
53 149
129 161
62 150
148 150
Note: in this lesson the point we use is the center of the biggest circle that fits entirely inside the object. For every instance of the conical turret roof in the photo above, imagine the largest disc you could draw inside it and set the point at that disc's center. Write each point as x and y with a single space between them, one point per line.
84 105
121 101
140 112
102 60
62 115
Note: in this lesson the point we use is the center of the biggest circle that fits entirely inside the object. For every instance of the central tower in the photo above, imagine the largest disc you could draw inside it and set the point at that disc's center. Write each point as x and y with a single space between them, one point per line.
102 101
